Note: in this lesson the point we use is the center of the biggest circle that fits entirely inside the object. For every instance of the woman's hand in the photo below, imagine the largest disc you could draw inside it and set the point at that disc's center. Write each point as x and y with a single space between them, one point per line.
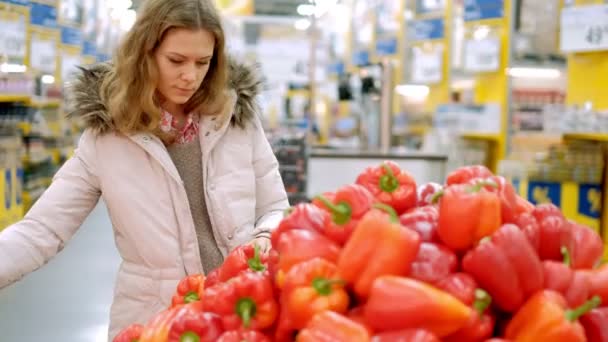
262 242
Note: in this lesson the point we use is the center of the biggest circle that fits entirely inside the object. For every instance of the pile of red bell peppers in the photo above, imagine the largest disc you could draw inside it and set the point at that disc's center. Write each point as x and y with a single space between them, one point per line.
385 260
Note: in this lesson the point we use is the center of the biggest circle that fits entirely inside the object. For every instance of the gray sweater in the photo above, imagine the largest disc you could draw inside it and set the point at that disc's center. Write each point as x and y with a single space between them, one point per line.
188 161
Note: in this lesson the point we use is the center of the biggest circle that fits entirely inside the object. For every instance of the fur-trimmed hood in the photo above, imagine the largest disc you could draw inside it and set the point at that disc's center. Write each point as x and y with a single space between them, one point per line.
86 105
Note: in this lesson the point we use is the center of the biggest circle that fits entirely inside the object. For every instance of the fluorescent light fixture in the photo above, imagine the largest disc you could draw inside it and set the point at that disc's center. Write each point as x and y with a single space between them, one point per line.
534 73
413 90
16 68
306 9
128 19
47 79
302 24
481 32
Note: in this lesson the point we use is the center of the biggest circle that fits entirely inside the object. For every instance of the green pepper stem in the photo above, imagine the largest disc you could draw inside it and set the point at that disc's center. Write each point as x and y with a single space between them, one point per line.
436 196
567 257
191 297
389 210
245 309
324 286
480 185
288 211
574 314
189 336
255 263
482 301
341 212
388 182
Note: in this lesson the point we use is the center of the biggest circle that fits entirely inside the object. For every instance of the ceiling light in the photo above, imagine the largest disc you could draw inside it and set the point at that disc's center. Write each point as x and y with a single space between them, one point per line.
302 24
534 72
47 79
413 90
16 68
306 10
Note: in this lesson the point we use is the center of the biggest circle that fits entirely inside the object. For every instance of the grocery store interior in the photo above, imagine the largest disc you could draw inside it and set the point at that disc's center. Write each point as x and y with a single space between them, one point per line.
516 85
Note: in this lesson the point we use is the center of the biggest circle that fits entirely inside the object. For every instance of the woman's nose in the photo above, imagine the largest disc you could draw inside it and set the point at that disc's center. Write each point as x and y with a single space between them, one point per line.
189 74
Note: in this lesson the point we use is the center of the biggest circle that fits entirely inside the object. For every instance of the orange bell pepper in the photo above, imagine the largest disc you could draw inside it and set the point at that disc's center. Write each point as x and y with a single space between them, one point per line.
397 303
379 246
157 329
330 326
310 288
129 334
467 214
545 317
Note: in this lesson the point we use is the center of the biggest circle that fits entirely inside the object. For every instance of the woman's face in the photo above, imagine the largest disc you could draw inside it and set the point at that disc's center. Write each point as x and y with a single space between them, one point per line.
183 59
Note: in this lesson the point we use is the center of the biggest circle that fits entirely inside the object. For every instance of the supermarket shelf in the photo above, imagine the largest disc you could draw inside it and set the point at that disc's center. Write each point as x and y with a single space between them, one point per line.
481 136
14 98
598 137
53 103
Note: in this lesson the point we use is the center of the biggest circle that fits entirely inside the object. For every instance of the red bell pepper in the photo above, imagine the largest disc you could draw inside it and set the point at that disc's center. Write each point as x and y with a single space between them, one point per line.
423 220
379 246
245 301
390 185
330 326
302 216
348 206
459 285
310 288
599 283
132 333
507 267
527 223
497 340
397 303
296 246
481 324
433 263
586 247
575 286
545 317
410 335
467 214
426 193
246 257
554 231
467 173
596 325
243 336
357 314
189 290
190 324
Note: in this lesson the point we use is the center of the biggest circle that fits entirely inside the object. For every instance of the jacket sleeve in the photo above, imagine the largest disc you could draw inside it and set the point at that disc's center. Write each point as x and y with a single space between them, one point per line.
271 198
55 217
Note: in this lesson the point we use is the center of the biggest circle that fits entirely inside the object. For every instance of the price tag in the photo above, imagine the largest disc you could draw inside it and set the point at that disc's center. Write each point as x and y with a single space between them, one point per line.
482 55
44 55
584 28
12 35
427 67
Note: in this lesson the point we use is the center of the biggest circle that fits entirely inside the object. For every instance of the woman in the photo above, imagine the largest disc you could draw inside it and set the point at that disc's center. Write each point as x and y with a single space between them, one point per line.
174 147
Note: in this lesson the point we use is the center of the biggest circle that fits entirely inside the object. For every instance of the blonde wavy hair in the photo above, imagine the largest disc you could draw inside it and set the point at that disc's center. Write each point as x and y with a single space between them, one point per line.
129 90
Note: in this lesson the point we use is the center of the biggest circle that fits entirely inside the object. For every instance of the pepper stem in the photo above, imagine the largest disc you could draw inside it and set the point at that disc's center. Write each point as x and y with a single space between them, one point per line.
341 212
245 309
255 263
288 211
191 297
436 196
480 185
567 257
574 314
323 286
388 182
482 301
190 336
389 210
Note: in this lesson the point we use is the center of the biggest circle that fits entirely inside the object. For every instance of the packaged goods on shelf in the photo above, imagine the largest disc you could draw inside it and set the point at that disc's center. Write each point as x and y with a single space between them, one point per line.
291 152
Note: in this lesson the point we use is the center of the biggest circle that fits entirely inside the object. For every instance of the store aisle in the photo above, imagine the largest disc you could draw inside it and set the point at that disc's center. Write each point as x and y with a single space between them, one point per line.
68 299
